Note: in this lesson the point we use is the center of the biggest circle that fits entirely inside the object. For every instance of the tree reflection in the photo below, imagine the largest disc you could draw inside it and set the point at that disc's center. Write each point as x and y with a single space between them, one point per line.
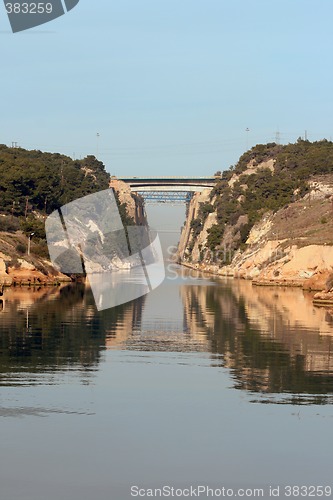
277 346
267 351
51 329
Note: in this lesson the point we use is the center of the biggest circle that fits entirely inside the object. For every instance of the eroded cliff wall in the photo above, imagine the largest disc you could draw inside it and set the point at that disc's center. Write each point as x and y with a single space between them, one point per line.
189 248
134 203
292 246
19 268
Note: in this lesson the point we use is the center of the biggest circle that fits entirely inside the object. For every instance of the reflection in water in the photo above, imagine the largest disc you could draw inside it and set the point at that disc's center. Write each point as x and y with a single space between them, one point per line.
158 390
273 341
48 330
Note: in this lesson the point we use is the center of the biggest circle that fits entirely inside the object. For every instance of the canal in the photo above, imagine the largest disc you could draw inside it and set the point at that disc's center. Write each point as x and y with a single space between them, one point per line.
204 381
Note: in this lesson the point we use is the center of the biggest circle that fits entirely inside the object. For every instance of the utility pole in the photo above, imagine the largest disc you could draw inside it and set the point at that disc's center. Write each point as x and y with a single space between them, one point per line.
247 130
29 242
306 135
277 137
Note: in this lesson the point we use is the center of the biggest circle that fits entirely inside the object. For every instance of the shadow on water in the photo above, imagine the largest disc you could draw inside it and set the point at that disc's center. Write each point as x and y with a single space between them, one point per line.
277 347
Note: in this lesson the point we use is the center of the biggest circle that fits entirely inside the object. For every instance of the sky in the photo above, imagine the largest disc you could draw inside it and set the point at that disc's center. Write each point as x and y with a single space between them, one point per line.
171 87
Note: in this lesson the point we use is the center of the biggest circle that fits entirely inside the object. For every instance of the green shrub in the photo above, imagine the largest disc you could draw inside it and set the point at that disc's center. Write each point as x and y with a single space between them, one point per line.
41 250
33 225
9 223
21 248
215 234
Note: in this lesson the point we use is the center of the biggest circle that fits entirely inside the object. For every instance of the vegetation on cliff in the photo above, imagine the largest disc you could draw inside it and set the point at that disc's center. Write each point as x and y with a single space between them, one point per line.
33 184
32 180
266 178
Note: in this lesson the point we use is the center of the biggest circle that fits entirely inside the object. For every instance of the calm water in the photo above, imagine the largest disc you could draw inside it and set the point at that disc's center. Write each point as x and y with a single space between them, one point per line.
203 381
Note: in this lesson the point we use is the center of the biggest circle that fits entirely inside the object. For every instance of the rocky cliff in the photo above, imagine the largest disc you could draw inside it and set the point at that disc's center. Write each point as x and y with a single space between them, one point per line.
134 203
190 247
19 266
229 232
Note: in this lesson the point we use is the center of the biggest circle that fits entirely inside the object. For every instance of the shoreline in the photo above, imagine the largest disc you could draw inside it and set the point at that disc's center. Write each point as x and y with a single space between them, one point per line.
321 298
33 282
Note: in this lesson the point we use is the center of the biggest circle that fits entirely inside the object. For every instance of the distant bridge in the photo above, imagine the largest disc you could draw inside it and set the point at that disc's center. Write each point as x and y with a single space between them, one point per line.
156 190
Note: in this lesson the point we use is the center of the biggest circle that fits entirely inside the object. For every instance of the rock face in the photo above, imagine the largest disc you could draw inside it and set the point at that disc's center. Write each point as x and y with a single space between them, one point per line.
104 232
193 211
293 246
134 203
18 268
325 297
252 168
278 262
5 279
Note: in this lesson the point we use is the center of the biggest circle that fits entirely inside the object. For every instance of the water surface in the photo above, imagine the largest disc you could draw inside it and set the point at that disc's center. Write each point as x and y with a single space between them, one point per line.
202 381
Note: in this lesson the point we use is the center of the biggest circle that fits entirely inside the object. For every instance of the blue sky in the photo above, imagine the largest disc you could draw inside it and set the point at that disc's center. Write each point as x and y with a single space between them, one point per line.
170 86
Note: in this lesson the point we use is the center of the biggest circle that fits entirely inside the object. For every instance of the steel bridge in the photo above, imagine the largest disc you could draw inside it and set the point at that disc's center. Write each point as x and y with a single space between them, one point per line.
174 190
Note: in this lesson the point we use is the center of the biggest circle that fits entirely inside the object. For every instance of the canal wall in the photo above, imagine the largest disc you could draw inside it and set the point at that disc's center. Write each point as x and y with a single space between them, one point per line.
290 247
19 267
133 202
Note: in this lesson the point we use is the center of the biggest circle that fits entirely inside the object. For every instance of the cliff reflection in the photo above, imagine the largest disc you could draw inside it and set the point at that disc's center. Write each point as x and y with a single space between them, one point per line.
55 329
277 346
273 340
